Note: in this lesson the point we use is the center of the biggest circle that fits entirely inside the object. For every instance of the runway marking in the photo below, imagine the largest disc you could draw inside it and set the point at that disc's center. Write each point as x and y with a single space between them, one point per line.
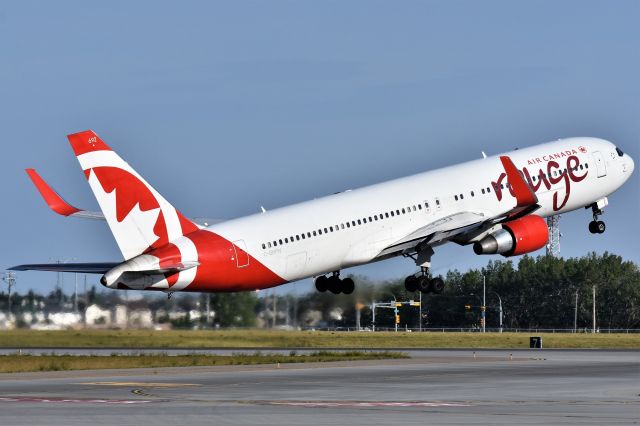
72 400
331 404
141 384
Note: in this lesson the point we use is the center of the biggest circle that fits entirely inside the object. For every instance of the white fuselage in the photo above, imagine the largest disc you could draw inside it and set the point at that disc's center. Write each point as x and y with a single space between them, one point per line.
319 236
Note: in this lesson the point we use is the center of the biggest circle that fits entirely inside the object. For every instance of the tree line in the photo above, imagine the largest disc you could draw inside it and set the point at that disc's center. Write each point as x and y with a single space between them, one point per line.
537 292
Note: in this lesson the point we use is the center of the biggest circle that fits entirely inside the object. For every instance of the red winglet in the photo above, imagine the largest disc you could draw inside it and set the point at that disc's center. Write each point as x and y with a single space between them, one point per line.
87 141
523 192
51 197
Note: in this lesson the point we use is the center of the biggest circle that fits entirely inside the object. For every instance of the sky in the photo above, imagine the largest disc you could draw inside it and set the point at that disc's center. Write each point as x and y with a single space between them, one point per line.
228 106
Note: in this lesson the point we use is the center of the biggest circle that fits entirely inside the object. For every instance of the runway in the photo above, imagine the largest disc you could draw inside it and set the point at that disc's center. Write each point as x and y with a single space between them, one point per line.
433 387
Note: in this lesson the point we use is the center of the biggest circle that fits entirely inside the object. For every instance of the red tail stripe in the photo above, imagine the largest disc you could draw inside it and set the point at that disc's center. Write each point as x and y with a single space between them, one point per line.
87 141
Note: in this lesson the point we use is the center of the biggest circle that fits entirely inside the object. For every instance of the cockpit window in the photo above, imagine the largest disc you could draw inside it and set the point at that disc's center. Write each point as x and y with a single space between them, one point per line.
619 151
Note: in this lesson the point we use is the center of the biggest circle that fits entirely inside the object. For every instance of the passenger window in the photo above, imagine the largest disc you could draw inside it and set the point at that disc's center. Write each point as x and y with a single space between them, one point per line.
488 190
286 240
455 197
359 223
280 241
437 202
391 213
348 225
325 230
275 243
387 215
403 211
297 237
319 231
461 197
375 217
264 246
414 208
303 237
419 206
314 233
269 245
370 219
472 194
342 226
331 228
309 234
482 190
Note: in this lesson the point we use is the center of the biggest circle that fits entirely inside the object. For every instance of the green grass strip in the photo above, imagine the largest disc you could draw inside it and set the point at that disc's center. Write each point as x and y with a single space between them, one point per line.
253 338
15 363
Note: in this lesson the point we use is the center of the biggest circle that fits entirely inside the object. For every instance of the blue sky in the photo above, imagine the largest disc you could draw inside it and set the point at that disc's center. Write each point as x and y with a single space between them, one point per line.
227 106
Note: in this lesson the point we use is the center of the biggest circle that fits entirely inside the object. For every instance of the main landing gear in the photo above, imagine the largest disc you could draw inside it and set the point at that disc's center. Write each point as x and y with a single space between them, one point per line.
597 226
423 281
334 284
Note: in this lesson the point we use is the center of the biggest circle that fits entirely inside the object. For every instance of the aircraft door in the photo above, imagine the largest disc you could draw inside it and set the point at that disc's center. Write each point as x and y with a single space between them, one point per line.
600 164
241 255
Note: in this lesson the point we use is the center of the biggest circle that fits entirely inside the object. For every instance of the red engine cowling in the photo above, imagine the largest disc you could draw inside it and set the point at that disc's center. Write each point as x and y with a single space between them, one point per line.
524 235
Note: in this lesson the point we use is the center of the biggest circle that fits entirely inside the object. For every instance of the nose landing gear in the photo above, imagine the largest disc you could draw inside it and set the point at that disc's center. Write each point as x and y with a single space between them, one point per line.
597 226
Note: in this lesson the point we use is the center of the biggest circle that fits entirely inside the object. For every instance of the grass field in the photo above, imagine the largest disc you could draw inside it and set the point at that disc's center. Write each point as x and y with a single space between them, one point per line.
303 339
23 363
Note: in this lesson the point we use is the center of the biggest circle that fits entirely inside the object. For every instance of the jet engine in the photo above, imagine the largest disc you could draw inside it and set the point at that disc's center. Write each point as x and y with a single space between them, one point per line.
524 235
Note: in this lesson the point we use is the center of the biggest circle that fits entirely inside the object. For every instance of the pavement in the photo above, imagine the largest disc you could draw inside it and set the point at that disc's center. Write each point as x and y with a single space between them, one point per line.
433 387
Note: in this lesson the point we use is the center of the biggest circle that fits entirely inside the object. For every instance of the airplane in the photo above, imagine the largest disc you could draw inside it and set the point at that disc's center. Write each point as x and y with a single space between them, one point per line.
496 204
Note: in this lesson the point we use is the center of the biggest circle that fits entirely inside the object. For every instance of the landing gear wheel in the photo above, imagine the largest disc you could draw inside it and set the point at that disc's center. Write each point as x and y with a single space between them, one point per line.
411 283
334 284
424 284
348 286
437 285
597 226
322 283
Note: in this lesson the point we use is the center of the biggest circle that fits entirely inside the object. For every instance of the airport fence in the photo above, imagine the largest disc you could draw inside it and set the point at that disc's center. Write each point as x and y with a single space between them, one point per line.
479 330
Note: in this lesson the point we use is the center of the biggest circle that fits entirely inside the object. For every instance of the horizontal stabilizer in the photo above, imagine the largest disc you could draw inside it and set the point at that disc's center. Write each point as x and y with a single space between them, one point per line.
83 268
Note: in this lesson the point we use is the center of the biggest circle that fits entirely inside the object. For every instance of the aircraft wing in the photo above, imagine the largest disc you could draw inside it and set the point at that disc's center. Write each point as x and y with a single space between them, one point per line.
457 224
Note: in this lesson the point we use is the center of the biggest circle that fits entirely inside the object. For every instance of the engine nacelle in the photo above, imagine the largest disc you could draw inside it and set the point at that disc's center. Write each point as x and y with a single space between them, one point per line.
524 235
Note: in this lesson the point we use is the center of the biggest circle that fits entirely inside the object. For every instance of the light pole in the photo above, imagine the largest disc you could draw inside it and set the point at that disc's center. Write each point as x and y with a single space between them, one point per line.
373 311
575 315
10 279
484 304
499 308
420 311
594 309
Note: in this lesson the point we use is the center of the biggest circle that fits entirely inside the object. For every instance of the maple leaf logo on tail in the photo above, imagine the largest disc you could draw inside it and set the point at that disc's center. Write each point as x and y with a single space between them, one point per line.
138 216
